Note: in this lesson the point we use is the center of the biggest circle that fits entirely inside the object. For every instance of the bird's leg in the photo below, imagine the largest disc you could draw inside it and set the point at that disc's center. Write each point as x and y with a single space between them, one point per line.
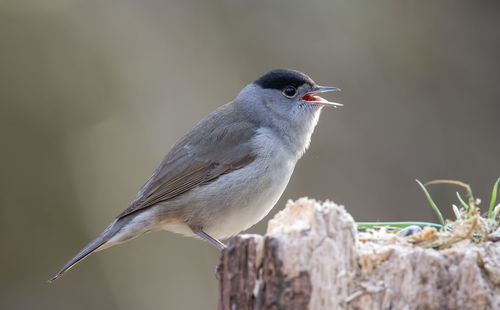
213 241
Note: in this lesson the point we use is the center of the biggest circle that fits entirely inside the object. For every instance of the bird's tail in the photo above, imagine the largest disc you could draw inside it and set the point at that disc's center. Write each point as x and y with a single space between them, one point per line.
98 244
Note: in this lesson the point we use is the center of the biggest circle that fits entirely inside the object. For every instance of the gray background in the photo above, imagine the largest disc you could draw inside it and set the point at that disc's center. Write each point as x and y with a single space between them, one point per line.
94 93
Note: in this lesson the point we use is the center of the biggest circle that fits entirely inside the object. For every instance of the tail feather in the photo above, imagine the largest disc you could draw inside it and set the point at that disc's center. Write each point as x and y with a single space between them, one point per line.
106 235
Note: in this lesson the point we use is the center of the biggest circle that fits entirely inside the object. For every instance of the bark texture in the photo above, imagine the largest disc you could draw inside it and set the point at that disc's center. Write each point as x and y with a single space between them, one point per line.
311 258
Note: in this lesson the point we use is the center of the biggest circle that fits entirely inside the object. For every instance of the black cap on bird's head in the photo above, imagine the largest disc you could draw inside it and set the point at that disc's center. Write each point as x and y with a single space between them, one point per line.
280 78
289 81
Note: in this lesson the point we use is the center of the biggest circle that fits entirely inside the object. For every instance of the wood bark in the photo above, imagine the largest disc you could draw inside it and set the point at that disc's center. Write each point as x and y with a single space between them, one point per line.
311 258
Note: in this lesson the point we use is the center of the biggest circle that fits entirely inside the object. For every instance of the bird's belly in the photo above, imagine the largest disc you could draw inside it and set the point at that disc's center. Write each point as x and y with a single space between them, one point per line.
246 200
237 200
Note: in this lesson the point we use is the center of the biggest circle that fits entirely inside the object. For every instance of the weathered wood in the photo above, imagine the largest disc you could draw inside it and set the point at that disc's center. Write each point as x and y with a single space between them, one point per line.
311 258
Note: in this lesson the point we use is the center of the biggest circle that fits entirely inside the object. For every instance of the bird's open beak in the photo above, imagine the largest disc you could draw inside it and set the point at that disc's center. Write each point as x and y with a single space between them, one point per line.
317 100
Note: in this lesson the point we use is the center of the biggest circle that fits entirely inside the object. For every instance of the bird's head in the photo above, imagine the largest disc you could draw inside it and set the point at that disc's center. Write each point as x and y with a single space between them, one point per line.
287 95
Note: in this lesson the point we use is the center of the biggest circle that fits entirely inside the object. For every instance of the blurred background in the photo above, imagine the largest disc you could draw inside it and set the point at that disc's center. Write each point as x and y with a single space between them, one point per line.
94 93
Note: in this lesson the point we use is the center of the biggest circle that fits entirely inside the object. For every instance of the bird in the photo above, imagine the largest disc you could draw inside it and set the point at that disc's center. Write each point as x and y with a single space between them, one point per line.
229 171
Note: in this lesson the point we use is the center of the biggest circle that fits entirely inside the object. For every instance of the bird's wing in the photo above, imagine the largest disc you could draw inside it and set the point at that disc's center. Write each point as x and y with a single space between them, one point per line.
217 145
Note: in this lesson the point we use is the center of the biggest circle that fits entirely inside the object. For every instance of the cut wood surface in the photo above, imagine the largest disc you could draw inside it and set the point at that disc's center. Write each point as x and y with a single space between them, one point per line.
311 258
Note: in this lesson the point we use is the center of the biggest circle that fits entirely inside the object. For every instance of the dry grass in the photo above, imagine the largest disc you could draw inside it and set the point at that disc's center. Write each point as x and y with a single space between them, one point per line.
468 225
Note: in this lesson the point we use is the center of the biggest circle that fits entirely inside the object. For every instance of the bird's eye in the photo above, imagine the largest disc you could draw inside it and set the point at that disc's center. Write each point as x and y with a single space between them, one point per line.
289 91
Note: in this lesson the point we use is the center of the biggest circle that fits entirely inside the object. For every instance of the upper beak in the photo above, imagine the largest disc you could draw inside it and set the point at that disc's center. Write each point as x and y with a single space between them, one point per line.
311 98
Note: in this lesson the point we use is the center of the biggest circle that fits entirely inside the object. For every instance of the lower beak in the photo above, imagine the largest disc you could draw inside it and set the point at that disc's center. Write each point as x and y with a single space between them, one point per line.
312 99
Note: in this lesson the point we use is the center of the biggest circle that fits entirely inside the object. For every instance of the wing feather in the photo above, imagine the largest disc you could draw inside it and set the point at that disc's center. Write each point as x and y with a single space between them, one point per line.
207 152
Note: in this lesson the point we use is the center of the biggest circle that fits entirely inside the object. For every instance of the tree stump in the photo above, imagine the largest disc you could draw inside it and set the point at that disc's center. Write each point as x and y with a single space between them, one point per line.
311 258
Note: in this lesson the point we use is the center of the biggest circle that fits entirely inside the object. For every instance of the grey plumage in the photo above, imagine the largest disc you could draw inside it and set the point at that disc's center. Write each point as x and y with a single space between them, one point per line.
90 248
229 170
197 158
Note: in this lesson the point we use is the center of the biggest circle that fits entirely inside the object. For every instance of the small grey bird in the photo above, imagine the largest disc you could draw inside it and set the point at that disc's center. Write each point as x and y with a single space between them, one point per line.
229 171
